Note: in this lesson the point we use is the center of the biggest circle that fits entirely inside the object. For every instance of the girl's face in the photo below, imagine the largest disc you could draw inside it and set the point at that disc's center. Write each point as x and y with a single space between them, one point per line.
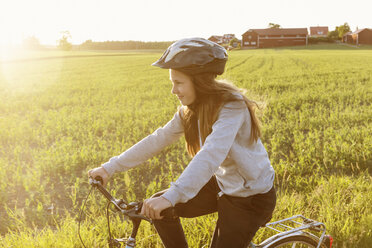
183 87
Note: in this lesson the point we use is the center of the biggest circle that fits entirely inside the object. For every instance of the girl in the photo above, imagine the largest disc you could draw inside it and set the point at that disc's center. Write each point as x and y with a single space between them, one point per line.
230 171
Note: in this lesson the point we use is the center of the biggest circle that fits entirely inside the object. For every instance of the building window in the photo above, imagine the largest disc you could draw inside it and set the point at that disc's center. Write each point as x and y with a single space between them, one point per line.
253 43
246 43
250 37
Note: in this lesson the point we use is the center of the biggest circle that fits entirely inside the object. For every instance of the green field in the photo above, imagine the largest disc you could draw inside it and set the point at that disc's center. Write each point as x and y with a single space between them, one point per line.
62 116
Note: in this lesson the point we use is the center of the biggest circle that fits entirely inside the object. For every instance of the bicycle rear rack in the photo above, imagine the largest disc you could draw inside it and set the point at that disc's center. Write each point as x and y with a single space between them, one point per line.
296 224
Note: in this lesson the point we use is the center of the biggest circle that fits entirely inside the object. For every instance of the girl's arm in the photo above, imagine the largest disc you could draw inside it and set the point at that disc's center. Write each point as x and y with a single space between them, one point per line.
214 151
147 147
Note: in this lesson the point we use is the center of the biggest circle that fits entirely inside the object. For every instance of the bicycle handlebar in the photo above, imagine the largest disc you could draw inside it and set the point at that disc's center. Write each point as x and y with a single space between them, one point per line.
131 210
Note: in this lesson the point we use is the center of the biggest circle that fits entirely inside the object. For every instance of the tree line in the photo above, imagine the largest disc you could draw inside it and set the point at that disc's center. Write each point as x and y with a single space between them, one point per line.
123 45
64 43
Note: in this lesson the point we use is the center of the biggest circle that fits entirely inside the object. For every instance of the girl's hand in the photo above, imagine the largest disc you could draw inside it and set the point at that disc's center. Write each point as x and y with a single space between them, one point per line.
99 171
152 207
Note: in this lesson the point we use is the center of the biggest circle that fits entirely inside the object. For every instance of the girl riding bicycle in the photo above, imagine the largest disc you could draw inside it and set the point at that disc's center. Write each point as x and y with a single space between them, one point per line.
230 172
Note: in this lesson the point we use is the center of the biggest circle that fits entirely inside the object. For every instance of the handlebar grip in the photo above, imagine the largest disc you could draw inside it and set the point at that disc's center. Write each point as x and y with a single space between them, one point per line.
99 179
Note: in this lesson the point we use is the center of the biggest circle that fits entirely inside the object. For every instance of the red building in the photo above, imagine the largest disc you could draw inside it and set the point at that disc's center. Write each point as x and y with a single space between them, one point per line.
318 31
361 36
347 38
217 39
274 37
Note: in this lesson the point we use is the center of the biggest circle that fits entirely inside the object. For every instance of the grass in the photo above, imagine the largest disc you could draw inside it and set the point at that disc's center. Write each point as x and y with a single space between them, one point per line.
63 116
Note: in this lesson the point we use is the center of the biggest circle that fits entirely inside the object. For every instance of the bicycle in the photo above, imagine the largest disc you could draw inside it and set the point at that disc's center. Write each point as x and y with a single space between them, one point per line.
295 232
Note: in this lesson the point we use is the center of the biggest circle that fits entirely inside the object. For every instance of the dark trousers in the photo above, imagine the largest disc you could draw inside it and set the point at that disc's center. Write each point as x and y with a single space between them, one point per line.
239 218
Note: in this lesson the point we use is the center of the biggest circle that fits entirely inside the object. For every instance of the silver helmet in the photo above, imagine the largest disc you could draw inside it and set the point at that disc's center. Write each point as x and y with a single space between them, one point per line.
194 56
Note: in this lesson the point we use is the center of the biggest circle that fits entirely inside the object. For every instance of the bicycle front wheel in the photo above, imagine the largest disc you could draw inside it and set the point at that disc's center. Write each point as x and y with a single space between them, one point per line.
297 241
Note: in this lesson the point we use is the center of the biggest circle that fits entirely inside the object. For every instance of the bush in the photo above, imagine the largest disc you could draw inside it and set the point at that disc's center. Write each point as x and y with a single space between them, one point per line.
316 40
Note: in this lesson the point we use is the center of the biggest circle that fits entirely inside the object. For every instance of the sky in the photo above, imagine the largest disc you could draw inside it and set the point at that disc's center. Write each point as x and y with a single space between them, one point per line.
168 20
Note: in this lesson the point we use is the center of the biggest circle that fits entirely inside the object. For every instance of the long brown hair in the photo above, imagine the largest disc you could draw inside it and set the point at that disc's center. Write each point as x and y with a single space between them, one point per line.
211 95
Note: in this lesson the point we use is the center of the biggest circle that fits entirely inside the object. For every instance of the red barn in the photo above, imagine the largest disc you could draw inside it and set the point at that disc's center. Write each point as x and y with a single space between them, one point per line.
361 36
318 31
274 37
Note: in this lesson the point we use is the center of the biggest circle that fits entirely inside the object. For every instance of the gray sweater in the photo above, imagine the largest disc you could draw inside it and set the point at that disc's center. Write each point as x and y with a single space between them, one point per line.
241 169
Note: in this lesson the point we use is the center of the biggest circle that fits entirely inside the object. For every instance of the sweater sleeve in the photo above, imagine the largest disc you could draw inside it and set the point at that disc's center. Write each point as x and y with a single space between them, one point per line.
214 151
147 147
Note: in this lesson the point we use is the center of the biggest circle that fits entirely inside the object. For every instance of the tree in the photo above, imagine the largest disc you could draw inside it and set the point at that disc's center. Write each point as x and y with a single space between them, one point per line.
31 43
273 25
88 44
343 29
339 32
63 43
234 43
333 34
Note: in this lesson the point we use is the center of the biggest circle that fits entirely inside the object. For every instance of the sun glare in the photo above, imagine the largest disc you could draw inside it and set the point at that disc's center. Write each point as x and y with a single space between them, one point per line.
23 70
10 52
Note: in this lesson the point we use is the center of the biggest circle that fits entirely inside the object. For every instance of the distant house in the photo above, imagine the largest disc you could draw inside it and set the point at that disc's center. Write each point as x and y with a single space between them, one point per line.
225 39
347 38
318 31
274 37
217 39
361 36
